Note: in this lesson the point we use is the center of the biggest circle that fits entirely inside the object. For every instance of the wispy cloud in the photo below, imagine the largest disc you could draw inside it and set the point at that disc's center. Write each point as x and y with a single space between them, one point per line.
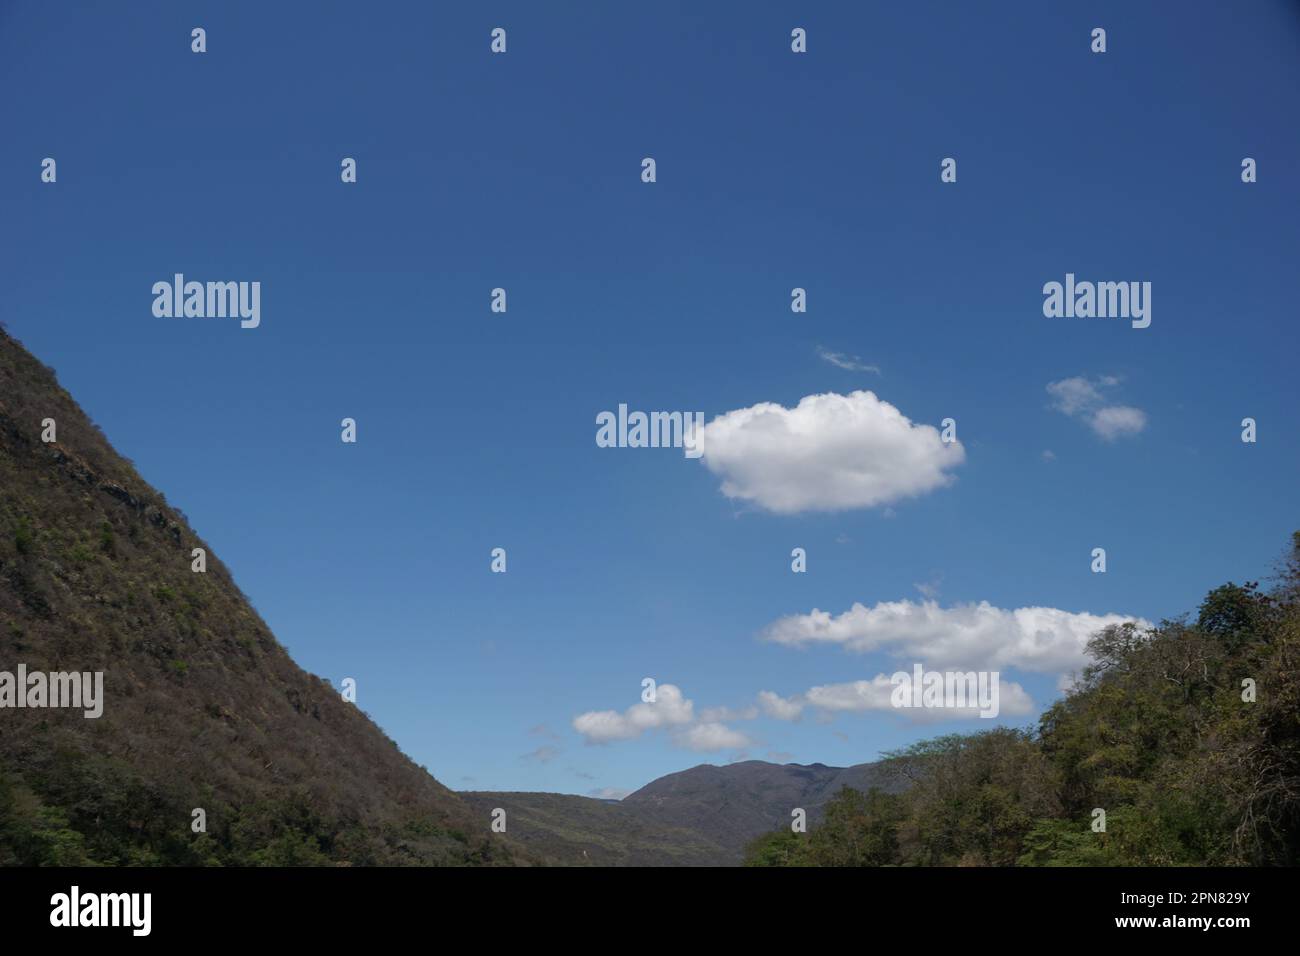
1086 400
774 705
541 755
929 589
850 363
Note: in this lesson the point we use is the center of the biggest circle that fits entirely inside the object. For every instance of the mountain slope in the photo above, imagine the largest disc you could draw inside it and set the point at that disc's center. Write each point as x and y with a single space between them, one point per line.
733 804
704 816
583 831
203 709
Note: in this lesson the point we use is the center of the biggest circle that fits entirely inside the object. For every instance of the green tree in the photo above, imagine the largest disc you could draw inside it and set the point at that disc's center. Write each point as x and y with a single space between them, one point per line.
858 830
778 848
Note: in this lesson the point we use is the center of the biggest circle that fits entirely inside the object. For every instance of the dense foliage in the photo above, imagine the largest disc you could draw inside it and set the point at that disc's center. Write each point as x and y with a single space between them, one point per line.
1186 736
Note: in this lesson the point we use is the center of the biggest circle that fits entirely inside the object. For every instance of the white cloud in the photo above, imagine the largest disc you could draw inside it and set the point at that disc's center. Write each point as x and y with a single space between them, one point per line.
1085 400
705 732
706 737
782 708
858 695
1073 395
876 695
864 696
850 363
1117 421
671 711
829 453
608 793
979 636
712 715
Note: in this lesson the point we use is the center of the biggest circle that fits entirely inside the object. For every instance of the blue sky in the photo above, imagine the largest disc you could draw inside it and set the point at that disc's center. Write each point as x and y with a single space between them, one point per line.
775 171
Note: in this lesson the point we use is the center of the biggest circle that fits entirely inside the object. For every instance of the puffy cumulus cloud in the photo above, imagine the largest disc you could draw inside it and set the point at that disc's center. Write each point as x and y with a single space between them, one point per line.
1086 400
981 636
705 731
829 453
671 711
858 695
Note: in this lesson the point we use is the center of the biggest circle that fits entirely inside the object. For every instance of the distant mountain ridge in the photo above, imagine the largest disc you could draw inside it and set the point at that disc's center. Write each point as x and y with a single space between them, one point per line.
703 816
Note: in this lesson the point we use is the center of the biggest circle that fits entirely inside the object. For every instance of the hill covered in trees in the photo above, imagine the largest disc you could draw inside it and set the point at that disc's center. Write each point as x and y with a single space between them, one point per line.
703 816
570 830
202 708
1186 737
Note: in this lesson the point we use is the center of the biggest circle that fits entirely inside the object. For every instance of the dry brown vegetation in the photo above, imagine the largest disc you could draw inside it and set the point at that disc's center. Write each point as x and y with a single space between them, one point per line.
203 707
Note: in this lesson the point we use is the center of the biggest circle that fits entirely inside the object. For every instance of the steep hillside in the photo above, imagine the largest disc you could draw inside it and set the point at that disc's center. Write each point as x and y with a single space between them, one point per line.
202 707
